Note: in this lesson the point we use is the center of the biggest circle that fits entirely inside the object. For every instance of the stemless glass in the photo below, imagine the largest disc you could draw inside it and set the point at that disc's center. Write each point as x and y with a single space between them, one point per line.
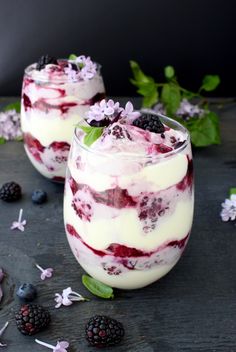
128 217
51 107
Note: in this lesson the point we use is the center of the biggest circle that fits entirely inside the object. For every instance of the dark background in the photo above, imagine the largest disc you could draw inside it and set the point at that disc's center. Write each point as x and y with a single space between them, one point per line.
196 37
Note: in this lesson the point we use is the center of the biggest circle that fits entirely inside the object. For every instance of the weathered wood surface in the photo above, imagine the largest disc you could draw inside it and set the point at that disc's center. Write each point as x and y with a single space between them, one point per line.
193 308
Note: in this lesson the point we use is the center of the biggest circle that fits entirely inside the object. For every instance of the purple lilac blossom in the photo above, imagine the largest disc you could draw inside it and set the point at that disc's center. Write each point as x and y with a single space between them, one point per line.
10 125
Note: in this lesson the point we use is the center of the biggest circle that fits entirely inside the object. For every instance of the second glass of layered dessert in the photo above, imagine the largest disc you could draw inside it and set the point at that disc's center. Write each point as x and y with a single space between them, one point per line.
56 94
128 204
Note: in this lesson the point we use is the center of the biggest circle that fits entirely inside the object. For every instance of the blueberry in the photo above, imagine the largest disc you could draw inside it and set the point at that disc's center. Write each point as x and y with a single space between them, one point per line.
26 292
39 196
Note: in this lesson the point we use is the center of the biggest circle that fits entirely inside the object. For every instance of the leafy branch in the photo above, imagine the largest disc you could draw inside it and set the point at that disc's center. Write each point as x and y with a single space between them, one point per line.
204 129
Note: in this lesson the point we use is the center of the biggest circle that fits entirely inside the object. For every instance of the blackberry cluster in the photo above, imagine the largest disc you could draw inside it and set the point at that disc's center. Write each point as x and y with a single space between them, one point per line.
10 192
32 318
45 60
102 331
149 122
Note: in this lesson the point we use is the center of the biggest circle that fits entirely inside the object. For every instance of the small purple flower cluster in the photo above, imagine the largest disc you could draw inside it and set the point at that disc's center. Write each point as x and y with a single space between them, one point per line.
111 110
81 69
10 125
228 211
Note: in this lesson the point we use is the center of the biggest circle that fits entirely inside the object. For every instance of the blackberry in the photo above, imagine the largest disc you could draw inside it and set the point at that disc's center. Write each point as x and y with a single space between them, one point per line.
32 318
10 192
102 331
118 132
26 292
45 60
149 122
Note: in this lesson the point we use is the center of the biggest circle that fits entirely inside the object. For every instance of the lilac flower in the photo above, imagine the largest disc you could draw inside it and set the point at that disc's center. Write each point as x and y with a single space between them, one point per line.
103 109
61 346
20 225
229 209
68 297
45 273
2 275
187 110
1 333
10 125
128 112
85 69
159 109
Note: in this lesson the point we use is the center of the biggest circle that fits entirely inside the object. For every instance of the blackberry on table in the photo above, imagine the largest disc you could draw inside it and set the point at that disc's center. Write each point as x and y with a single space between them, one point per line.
102 331
32 318
149 122
10 192
45 60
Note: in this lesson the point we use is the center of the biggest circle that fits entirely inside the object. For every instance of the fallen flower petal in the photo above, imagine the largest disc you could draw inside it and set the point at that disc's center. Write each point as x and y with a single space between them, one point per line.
45 273
1 333
68 297
60 347
20 225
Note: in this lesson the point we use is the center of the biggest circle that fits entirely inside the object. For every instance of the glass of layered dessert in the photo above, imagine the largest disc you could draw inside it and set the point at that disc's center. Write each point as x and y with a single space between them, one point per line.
128 204
56 93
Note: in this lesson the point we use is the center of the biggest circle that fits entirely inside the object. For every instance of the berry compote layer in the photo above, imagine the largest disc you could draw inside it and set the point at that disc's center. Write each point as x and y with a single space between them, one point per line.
55 96
128 204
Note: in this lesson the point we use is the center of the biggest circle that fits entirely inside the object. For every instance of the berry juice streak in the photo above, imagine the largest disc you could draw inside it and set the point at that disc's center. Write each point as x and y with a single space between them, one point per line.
149 209
49 113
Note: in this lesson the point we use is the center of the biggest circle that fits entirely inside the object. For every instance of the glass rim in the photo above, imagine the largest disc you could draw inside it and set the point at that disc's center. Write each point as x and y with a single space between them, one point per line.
138 156
41 78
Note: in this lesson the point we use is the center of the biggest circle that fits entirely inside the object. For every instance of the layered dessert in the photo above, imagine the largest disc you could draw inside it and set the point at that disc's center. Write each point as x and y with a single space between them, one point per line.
56 94
128 204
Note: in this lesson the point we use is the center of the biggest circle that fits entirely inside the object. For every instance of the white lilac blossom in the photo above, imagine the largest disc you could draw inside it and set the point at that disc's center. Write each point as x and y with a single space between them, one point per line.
2 275
228 211
111 110
187 110
1 333
19 224
10 125
129 113
61 346
68 297
159 109
45 273
81 69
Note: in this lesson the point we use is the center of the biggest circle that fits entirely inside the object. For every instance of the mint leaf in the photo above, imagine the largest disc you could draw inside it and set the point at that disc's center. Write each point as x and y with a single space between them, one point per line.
169 72
232 191
210 82
86 129
97 288
170 96
72 57
205 131
2 140
146 85
13 106
92 134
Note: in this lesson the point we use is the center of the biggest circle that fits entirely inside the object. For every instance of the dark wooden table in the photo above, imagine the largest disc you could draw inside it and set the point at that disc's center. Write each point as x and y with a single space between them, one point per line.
193 308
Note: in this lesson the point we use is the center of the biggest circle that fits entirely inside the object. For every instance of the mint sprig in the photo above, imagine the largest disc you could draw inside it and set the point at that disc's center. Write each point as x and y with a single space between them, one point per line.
97 288
72 57
232 191
205 129
92 134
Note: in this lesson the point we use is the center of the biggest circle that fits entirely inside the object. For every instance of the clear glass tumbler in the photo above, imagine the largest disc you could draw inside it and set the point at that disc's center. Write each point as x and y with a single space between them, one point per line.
127 216
52 104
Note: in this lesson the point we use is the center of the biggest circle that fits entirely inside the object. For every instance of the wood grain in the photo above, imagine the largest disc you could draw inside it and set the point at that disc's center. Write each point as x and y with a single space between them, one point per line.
193 308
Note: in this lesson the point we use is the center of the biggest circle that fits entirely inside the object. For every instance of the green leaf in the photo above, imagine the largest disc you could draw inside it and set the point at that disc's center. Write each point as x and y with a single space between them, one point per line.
92 134
97 288
145 84
13 106
72 57
170 96
169 72
2 140
205 131
232 191
210 82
